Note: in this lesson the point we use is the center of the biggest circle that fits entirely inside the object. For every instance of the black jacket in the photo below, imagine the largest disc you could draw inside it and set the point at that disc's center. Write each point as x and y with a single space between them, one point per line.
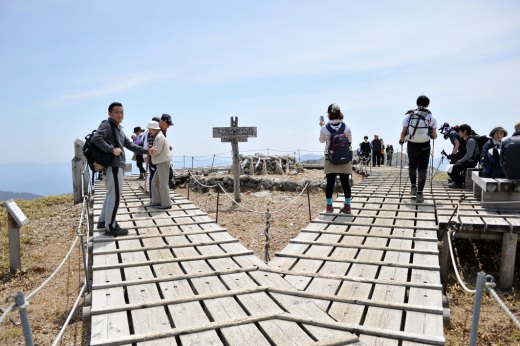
510 156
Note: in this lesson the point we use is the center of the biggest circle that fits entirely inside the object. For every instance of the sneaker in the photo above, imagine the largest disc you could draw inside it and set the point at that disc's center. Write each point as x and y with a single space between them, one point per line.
101 225
330 208
346 209
164 207
116 231
141 177
413 190
454 185
152 205
419 198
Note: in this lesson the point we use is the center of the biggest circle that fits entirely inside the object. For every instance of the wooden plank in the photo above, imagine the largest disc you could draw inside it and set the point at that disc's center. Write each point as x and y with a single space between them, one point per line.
112 325
149 319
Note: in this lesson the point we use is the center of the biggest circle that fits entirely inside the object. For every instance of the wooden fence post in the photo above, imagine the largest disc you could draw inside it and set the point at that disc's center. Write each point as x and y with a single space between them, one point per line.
78 164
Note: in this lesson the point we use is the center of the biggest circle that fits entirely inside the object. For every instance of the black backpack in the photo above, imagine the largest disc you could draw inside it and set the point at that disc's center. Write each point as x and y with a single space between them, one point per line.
481 140
339 147
97 159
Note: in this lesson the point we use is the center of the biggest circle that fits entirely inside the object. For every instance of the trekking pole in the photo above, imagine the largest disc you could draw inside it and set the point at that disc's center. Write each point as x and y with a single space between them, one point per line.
431 166
401 172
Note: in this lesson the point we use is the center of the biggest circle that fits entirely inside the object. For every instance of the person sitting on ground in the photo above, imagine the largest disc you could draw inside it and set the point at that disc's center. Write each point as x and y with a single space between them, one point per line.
469 160
490 156
510 155
336 124
161 158
419 126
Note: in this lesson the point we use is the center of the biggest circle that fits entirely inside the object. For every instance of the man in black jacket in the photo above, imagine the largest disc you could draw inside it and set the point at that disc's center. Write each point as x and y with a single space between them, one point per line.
510 155
104 140
377 146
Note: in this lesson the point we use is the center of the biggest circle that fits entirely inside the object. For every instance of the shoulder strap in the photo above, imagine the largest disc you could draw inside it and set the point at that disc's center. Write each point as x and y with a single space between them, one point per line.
331 130
114 136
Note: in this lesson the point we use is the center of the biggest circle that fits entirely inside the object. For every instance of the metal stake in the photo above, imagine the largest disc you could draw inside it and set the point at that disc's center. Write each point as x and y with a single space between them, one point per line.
481 281
24 318
85 264
309 201
218 199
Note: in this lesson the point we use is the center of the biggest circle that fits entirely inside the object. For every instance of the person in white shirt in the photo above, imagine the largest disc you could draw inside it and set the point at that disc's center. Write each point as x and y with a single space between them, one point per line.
419 126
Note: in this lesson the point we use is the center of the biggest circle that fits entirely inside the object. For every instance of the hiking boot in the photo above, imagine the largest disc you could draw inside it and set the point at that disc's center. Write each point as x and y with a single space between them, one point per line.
346 209
330 208
413 190
101 225
164 207
454 185
419 198
116 231
141 177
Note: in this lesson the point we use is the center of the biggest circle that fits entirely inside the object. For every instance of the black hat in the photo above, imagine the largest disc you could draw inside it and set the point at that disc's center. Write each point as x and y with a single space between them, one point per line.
137 129
167 118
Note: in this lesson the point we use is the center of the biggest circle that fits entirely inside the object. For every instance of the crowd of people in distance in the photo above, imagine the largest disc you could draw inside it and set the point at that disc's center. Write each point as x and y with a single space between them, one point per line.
149 146
498 158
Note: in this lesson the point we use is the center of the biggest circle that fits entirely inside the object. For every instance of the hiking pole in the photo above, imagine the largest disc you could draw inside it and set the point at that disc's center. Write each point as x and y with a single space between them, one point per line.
431 166
401 171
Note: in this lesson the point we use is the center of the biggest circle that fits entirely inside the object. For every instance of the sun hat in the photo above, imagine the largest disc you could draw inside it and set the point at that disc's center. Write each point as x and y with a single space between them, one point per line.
153 125
496 129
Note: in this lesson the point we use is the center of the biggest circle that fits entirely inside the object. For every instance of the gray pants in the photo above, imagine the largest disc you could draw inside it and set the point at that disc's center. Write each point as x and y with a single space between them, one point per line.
160 188
113 196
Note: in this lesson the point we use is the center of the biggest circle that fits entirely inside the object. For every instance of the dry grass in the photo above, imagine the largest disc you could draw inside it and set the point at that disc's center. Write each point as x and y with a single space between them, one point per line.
44 242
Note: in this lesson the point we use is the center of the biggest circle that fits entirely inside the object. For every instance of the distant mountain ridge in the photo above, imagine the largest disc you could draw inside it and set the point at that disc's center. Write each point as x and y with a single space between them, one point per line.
6 195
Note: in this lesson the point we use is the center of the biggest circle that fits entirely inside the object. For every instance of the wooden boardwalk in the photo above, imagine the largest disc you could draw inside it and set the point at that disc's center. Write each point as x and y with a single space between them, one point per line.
376 271
371 278
180 279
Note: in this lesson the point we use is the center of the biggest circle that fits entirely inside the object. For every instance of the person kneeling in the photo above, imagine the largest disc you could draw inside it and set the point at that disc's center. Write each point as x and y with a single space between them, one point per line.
469 160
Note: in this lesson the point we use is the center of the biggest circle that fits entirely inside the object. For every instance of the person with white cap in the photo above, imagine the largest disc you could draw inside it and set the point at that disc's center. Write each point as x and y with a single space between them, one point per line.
161 157
490 155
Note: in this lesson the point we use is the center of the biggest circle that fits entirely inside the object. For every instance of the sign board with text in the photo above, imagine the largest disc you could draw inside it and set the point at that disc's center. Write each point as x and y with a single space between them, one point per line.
15 212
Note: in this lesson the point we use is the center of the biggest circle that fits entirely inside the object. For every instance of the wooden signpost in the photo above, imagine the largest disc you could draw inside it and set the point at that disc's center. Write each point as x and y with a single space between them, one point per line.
234 134
15 219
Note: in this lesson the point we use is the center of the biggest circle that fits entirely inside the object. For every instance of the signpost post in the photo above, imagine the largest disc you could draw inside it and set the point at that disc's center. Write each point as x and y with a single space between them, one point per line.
234 134
15 219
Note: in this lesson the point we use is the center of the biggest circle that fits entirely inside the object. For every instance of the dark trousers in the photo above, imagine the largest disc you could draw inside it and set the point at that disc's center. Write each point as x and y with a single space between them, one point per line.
139 161
389 159
457 174
331 182
418 156
152 168
376 158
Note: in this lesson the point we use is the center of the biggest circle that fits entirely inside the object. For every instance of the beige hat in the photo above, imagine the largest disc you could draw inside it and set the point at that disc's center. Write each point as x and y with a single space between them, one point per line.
496 129
517 126
153 125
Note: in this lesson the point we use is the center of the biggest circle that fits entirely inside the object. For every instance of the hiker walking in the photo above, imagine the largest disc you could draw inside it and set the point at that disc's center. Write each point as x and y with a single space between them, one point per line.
419 126
104 140
338 158
138 138
377 146
389 153
365 148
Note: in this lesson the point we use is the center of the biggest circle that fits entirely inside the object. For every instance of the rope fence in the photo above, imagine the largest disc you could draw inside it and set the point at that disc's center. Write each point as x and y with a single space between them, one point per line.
22 301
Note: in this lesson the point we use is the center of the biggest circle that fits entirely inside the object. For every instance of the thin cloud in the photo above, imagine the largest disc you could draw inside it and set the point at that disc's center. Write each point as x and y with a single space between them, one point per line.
123 83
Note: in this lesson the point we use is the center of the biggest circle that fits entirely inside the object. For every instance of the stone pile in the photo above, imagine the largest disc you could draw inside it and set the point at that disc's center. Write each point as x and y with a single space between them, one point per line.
263 164
251 183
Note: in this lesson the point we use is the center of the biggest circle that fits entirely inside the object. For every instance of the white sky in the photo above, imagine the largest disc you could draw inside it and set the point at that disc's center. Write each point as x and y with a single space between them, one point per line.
276 65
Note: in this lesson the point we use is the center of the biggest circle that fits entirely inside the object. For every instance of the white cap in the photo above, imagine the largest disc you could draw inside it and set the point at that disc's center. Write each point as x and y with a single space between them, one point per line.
153 125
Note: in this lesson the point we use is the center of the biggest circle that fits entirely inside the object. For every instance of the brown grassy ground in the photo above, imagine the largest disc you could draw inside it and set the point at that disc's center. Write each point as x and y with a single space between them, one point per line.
53 226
